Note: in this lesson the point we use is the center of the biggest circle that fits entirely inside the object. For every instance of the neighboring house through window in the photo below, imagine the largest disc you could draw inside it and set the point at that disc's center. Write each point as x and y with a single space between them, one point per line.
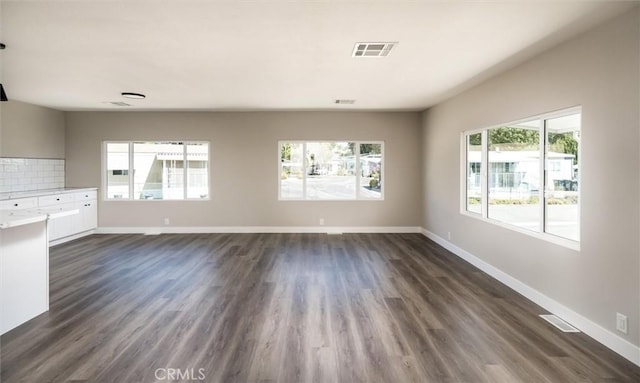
526 174
331 170
142 170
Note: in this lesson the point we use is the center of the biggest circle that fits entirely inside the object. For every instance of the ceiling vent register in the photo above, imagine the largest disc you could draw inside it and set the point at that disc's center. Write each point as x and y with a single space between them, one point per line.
372 49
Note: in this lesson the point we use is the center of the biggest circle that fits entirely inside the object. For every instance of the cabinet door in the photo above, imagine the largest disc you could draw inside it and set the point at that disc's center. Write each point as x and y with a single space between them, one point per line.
52 229
63 226
77 221
90 215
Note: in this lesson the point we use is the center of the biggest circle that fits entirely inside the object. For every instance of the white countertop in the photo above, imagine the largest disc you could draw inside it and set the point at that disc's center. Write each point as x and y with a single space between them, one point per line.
13 218
38 193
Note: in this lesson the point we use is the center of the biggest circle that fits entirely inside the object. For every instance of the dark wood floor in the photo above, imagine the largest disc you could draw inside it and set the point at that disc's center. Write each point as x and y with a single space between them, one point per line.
289 308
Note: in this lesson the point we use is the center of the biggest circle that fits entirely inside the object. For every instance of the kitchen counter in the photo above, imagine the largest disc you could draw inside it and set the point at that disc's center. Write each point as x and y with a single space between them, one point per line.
30 206
24 262
14 218
38 193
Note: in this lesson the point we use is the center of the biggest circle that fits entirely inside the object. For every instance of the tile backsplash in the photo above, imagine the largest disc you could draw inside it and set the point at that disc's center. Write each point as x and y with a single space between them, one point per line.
25 174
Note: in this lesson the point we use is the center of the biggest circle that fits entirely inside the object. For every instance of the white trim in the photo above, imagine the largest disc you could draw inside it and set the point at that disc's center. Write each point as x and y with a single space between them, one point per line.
484 174
614 342
464 168
556 240
70 238
258 229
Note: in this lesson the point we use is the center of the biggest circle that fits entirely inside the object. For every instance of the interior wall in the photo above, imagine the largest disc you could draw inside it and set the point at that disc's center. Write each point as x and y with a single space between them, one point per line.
31 131
600 71
244 166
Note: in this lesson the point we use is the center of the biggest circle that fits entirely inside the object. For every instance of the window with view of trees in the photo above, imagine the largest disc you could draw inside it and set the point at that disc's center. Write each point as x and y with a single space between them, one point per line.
332 170
526 174
157 170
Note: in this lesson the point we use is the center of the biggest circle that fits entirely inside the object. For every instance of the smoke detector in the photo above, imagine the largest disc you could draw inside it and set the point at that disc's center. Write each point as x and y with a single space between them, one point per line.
372 49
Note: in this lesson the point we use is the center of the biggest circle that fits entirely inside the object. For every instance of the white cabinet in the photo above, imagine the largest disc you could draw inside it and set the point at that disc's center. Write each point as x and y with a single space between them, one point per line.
54 200
24 272
63 226
88 217
87 204
20 203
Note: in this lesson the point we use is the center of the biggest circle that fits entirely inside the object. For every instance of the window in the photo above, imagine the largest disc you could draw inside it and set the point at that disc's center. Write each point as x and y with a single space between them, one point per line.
526 174
160 170
514 174
336 170
117 164
562 210
474 165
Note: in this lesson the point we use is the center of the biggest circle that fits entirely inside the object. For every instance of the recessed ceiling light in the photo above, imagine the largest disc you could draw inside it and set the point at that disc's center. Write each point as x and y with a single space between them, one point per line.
137 96
372 49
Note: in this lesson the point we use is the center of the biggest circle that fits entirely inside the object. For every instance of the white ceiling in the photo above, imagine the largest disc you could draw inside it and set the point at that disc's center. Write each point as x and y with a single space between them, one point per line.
272 55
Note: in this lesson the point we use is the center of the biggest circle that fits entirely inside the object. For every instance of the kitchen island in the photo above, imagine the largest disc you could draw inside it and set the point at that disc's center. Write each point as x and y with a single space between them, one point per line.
24 263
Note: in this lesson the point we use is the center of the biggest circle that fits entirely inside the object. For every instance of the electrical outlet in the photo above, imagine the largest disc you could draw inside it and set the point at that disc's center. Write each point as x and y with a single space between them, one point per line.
321 221
166 221
621 323
448 235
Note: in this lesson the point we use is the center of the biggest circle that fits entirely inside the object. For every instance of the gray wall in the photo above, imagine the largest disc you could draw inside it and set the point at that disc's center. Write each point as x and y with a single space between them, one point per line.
244 166
30 131
600 71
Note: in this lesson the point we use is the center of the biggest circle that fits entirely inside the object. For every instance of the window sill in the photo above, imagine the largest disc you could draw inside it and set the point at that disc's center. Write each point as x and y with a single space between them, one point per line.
155 200
330 200
564 242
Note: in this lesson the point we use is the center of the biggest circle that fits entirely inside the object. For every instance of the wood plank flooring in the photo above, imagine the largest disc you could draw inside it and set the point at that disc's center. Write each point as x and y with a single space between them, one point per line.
289 308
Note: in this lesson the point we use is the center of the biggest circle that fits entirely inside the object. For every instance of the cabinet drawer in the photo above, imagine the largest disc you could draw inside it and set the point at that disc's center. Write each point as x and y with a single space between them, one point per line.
20 203
86 195
55 199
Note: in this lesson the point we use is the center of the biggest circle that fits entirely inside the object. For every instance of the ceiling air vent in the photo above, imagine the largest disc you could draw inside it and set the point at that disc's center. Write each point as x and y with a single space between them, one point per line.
118 103
372 49
344 101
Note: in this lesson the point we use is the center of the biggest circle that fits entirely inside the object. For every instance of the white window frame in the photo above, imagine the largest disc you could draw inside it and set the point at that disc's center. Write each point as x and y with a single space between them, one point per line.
357 160
131 198
484 201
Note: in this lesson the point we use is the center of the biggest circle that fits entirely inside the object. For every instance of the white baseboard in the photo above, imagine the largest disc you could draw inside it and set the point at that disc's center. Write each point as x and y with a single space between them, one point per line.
71 237
609 339
257 229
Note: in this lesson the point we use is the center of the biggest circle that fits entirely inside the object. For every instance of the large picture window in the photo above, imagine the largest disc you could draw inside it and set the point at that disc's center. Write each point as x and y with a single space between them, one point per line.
331 170
142 170
526 174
